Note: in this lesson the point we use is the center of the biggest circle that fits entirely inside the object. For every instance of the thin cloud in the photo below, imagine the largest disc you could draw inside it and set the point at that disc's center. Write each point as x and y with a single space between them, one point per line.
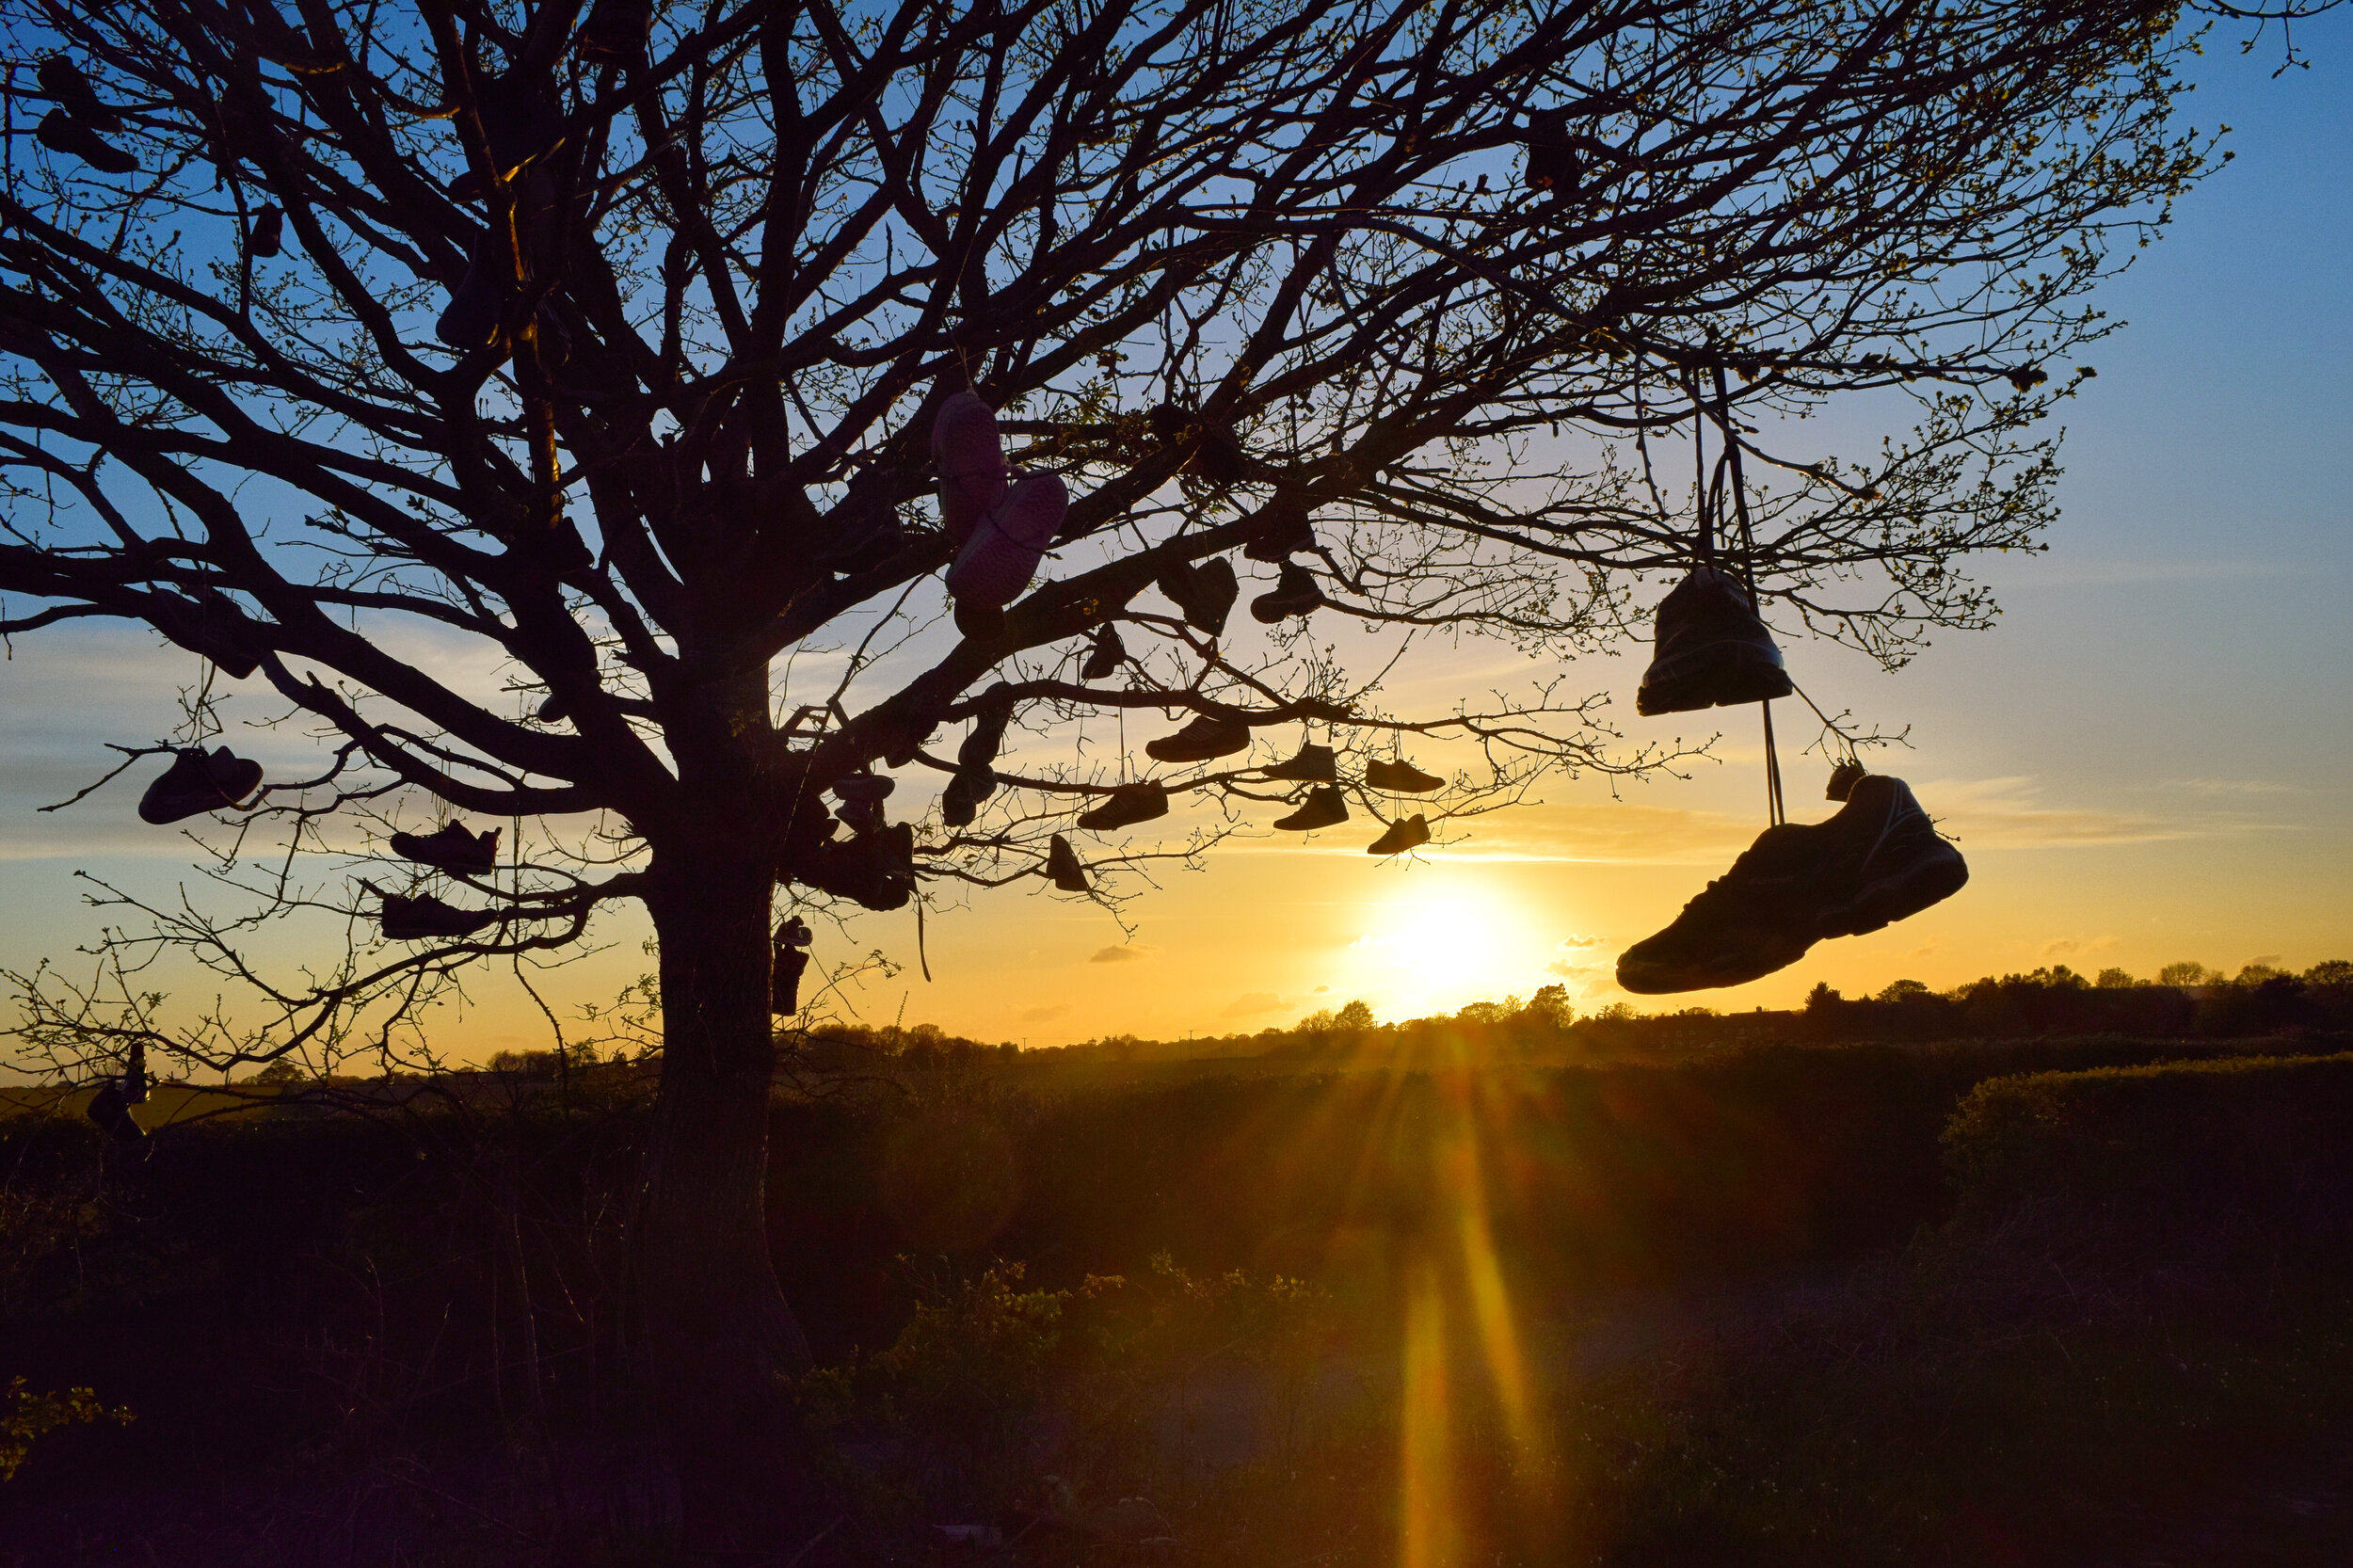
1252 1006
1133 952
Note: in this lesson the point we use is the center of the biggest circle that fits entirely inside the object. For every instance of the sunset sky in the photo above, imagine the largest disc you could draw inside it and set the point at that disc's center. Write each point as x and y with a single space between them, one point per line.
2147 761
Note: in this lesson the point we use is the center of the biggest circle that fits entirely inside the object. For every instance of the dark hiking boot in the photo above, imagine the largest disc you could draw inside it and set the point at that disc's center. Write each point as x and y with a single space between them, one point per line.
862 543
961 801
1885 860
1295 593
522 118
905 726
1204 738
1712 650
987 737
450 849
1552 165
1221 458
197 782
212 628
1206 592
1405 834
1843 778
784 980
1128 805
1323 808
1399 778
995 564
113 1115
424 918
791 958
63 81
1760 915
269 233
971 457
1106 656
1286 533
60 132
478 304
1062 868
616 32
1315 765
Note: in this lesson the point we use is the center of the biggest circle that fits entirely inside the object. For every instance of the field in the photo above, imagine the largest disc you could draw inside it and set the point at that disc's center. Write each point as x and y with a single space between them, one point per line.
2027 1300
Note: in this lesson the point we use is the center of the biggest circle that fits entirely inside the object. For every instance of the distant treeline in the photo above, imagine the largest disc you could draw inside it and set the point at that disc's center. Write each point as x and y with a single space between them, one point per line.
2184 1000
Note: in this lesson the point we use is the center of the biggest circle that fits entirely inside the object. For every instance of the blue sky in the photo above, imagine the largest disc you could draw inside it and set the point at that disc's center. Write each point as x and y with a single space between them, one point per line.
2147 759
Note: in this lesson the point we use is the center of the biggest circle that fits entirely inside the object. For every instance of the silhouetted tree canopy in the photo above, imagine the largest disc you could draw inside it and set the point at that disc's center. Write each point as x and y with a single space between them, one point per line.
541 411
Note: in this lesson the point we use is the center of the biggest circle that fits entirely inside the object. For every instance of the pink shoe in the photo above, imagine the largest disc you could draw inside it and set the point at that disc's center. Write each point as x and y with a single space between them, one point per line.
997 563
971 463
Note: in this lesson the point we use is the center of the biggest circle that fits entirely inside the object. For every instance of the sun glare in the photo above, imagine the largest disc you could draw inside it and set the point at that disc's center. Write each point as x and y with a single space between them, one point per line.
1440 954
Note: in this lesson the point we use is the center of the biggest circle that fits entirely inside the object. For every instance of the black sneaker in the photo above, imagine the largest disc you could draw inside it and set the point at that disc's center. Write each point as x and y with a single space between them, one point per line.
61 133
211 627
113 1115
1760 915
863 543
197 782
1285 533
423 917
986 739
1128 805
1106 656
1552 166
616 32
62 80
1405 834
961 801
1315 765
876 870
1295 593
1062 868
790 959
522 118
1204 738
1843 778
1886 861
906 723
1399 778
1221 458
1712 651
1323 808
450 849
1205 593
476 307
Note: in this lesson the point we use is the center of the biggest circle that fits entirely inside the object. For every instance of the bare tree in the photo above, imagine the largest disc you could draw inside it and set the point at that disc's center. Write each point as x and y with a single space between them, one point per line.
608 366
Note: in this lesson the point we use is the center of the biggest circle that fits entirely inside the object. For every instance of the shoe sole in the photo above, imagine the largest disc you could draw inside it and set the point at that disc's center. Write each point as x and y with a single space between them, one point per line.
1646 979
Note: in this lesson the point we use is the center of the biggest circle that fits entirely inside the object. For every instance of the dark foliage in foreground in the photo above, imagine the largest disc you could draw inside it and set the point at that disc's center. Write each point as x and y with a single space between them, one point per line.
292 1300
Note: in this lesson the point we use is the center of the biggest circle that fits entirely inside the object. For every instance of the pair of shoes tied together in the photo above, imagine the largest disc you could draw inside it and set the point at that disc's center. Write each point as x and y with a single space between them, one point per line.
1002 522
1880 859
1712 650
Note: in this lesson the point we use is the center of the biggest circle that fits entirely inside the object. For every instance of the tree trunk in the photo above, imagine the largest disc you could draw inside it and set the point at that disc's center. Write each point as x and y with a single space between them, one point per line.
722 1344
